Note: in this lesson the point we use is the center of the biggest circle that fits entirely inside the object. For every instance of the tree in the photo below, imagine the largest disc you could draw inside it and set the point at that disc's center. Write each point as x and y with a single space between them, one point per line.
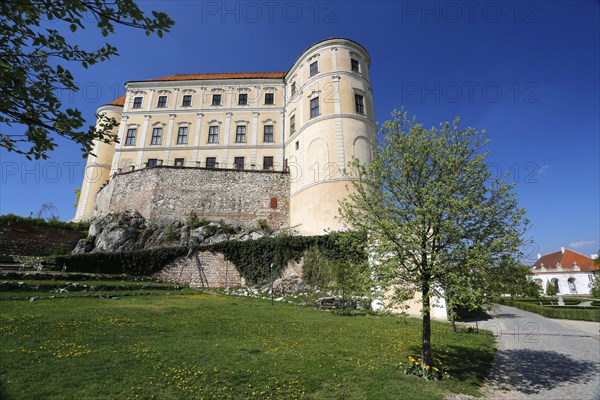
33 48
342 269
595 284
435 215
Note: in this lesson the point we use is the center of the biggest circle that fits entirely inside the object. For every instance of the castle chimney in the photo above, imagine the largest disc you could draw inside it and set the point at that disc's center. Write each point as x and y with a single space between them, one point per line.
562 250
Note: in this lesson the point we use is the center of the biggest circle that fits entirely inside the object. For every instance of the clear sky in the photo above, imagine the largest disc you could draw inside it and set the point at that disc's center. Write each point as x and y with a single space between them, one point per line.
526 72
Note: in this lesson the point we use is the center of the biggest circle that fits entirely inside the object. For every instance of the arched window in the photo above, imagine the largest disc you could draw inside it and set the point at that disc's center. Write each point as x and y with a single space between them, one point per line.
554 282
572 287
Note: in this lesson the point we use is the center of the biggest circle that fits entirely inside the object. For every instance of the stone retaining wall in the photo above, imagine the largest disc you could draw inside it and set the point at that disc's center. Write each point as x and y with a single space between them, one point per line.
166 193
219 272
30 240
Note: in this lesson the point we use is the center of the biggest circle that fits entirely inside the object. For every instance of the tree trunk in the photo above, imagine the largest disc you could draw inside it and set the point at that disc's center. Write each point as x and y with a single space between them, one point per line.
426 336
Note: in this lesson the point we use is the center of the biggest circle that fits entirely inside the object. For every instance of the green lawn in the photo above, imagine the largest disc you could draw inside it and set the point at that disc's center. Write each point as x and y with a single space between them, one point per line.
205 346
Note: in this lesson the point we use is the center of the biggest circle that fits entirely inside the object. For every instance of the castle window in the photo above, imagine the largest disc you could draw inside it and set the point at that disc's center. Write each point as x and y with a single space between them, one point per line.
156 136
211 162
297 145
179 162
182 135
187 100
137 102
269 98
267 163
359 102
314 68
354 65
162 102
293 88
240 134
213 134
268 137
314 107
238 162
152 162
292 124
216 100
243 99
273 202
130 138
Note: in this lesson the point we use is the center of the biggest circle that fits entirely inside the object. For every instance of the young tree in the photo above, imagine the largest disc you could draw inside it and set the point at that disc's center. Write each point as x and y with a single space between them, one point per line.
33 47
595 284
435 215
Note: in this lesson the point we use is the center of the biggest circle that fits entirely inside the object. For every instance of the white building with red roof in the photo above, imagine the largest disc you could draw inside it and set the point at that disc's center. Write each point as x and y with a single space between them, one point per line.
568 271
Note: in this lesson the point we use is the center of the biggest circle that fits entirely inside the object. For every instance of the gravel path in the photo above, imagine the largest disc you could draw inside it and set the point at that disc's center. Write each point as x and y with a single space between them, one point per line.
539 358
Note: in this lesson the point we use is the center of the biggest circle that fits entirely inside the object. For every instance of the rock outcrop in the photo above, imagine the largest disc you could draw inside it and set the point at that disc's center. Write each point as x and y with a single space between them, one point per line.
131 231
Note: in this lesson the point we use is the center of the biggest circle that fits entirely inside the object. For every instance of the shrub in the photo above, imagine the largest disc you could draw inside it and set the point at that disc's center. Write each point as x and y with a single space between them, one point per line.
10 219
564 312
550 289
135 263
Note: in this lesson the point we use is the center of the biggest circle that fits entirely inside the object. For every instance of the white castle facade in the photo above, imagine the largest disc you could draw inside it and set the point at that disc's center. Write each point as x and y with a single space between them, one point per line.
308 123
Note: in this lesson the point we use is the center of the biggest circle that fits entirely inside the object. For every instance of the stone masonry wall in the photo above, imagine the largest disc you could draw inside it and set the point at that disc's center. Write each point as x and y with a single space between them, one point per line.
166 193
30 240
219 272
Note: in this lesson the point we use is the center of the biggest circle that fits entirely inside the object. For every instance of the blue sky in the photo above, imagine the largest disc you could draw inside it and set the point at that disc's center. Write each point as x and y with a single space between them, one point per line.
526 72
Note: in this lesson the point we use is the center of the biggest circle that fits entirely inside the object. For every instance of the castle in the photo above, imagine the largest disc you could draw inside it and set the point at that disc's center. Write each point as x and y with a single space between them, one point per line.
239 146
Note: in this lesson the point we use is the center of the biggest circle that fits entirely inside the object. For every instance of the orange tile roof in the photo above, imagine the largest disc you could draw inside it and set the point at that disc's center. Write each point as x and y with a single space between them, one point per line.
566 259
226 75
118 102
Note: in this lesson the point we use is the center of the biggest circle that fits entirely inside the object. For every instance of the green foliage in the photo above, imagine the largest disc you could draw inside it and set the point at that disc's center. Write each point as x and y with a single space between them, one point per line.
30 261
193 221
34 59
559 312
263 225
171 234
595 284
436 215
315 268
346 271
550 289
254 257
77 193
433 372
137 263
12 219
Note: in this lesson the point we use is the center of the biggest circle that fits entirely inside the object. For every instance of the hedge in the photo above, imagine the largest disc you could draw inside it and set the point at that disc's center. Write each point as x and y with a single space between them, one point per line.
135 263
10 219
565 312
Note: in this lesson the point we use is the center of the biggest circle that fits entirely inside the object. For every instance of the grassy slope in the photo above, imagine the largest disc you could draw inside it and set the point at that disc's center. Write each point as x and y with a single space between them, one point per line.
217 347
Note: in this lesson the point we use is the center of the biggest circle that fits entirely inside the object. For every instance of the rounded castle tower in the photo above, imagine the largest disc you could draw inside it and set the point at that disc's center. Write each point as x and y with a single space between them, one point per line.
329 120
98 166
